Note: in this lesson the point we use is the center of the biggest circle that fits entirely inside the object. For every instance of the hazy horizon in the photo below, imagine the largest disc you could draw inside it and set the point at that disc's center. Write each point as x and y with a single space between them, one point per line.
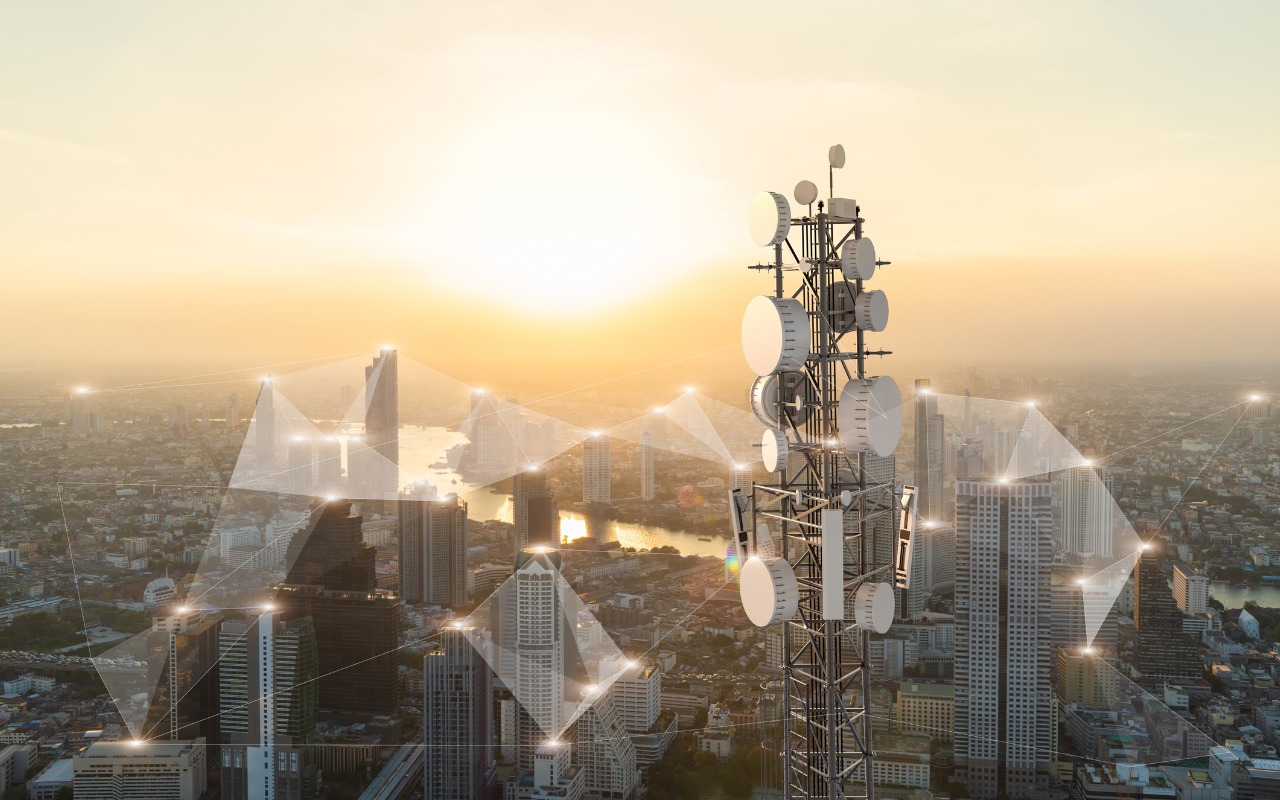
502 192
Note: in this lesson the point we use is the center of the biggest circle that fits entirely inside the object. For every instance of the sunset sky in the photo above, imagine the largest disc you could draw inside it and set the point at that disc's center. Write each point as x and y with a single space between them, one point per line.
557 186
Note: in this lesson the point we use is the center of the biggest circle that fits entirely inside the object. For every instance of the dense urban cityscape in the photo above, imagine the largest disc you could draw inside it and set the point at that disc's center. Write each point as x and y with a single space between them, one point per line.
378 633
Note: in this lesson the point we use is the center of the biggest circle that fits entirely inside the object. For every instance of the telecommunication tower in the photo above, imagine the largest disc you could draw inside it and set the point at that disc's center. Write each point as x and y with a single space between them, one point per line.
824 418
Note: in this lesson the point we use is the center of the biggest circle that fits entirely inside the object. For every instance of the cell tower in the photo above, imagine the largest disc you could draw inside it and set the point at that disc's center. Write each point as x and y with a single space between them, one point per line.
824 418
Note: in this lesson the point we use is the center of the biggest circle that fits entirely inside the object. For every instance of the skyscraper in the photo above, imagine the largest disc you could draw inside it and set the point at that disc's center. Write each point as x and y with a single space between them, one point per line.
534 510
433 548
929 442
382 428
1005 726
605 751
597 471
1087 514
83 413
537 635
264 429
458 741
1190 589
646 466
188 689
332 580
232 414
1164 652
268 696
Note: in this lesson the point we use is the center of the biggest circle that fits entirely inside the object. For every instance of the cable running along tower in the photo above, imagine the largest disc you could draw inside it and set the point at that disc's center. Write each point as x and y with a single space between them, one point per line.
810 559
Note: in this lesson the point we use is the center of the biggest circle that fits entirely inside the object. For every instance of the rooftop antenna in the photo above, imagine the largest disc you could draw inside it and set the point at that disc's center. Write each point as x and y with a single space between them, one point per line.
825 420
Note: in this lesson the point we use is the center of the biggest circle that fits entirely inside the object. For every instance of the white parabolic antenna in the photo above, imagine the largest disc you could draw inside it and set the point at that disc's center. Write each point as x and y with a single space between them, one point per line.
873 607
835 156
870 416
775 335
806 192
769 590
871 310
774 449
764 398
858 259
769 219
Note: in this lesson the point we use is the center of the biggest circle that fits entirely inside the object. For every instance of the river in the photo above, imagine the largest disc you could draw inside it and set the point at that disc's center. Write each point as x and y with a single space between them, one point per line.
484 504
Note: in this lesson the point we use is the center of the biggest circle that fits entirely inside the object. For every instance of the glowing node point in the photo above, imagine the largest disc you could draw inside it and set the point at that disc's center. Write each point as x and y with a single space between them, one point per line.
183 609
82 390
1083 581
1004 480
387 348
597 433
137 742
1088 462
1086 651
1145 546
630 665
658 410
479 391
1030 404
690 389
1253 398
266 607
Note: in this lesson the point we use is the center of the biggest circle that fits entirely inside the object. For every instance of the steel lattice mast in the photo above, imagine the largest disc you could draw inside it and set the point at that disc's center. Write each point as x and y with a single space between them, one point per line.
822 500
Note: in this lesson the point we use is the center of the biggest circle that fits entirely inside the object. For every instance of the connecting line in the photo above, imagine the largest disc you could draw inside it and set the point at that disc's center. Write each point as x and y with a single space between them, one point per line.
316 678
1175 430
75 575
1158 700
174 703
1203 467
684 619
152 384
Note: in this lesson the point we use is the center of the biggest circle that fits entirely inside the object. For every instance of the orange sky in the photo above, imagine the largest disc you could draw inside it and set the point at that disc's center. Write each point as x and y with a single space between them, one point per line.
495 189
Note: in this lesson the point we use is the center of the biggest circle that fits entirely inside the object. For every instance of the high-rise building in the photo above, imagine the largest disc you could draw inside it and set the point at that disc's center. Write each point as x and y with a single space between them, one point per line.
264 429
882 477
1084 678
605 752
83 413
232 414
1190 590
382 428
268 697
930 437
933 566
153 770
534 511
329 466
188 690
1163 653
458 739
1005 714
433 548
743 479
597 471
553 775
646 466
332 579
1087 511
530 638
178 422
301 465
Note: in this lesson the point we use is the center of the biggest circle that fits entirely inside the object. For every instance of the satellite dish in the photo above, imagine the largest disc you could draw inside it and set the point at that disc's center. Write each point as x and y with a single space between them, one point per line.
764 397
774 449
870 416
858 259
806 192
835 156
769 219
846 497
873 607
769 591
871 310
775 335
